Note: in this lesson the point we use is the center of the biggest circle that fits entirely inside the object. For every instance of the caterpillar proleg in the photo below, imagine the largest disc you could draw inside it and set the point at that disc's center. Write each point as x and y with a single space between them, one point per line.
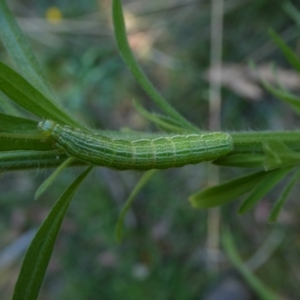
141 154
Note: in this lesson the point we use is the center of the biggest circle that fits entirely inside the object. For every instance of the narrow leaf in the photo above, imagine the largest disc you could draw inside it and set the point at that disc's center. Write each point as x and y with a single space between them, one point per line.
47 183
289 54
265 185
39 252
144 180
28 97
226 192
262 291
278 155
19 49
164 124
276 209
128 57
287 97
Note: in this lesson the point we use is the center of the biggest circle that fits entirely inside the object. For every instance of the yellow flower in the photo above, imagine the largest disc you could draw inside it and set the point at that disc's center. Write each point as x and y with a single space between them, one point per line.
53 14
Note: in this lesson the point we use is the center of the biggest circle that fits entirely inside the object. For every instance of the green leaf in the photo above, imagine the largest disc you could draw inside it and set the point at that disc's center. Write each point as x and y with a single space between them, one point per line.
278 155
39 252
26 159
241 160
265 185
46 184
10 123
262 291
19 49
142 182
7 107
25 95
162 123
289 54
226 192
276 209
128 57
292 11
287 97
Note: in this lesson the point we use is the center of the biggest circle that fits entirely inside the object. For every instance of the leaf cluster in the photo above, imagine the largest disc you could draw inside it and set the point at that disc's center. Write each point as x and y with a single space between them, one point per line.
23 146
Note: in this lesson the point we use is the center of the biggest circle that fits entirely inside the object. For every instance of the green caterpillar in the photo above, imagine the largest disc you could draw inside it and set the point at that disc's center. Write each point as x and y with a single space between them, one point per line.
142 154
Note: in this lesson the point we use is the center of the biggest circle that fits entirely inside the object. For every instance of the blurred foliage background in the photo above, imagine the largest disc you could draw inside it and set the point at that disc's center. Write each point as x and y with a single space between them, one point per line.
163 255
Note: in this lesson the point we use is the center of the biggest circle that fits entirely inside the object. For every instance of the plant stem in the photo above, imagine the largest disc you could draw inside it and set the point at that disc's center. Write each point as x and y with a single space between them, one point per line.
252 142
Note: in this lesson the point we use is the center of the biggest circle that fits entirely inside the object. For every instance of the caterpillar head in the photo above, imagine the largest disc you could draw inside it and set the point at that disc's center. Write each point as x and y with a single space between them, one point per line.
46 127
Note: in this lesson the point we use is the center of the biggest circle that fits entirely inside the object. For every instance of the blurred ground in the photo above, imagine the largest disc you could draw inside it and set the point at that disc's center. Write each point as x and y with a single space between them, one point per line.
164 253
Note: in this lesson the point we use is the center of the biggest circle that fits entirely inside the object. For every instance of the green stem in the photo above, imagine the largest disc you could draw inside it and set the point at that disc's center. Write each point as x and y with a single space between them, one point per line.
26 159
252 142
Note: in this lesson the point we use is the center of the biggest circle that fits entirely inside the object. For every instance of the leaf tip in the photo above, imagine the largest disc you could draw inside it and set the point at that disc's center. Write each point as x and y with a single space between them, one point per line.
193 201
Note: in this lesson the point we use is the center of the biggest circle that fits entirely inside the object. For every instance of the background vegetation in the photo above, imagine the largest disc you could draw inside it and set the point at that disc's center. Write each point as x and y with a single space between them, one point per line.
164 253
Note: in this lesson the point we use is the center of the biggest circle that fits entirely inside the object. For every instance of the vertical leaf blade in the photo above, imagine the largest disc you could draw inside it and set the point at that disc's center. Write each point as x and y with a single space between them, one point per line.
39 252
128 57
